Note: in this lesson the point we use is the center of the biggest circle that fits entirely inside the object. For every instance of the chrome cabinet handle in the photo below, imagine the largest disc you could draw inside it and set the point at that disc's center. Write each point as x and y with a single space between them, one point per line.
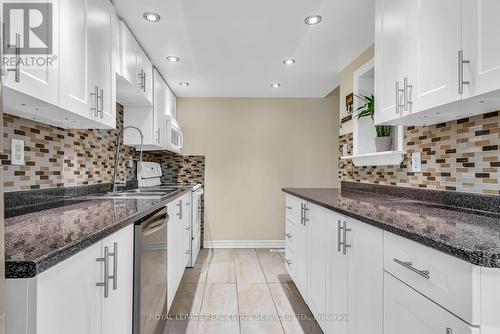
144 81
188 228
302 213
399 92
95 97
344 243
106 272
16 69
409 265
408 91
114 255
188 204
305 213
180 209
288 235
101 98
339 235
141 80
158 135
461 62
187 252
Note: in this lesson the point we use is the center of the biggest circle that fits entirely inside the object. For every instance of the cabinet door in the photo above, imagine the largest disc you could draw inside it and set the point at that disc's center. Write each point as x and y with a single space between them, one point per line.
67 298
434 39
74 94
407 311
100 16
129 55
480 31
160 105
145 67
390 56
365 278
300 267
187 216
316 260
336 277
40 82
119 303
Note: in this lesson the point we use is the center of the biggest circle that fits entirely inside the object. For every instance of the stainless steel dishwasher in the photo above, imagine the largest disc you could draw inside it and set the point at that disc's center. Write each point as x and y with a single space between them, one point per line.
150 274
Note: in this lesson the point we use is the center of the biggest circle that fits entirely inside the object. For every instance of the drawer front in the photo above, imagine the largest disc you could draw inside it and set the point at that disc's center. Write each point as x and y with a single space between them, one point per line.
289 259
293 209
450 282
289 234
407 311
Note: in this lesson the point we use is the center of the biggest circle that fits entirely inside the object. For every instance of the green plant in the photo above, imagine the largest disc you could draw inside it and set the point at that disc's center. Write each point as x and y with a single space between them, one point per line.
368 110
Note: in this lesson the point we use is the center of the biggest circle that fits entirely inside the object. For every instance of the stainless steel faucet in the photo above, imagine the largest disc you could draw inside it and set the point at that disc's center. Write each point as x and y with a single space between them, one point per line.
114 182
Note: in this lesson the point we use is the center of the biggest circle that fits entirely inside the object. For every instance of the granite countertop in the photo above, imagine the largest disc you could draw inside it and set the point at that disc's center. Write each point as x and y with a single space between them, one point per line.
37 241
471 235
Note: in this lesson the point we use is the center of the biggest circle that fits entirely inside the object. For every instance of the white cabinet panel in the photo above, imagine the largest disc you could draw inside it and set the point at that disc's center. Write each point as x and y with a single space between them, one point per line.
365 262
120 301
67 298
434 40
300 265
39 82
316 259
407 311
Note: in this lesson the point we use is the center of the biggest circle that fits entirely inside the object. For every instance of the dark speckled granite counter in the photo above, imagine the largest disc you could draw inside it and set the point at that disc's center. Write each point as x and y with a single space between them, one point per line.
467 232
37 241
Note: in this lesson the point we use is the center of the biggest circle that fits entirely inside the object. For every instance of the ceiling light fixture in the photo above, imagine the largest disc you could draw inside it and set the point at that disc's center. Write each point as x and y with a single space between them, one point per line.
173 59
275 85
289 61
184 84
151 17
312 20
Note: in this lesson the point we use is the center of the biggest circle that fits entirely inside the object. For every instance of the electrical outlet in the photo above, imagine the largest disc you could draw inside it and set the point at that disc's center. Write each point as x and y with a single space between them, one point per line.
17 152
416 162
344 150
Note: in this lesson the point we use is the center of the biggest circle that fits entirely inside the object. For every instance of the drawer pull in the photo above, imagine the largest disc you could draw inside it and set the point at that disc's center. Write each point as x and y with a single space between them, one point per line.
288 235
409 265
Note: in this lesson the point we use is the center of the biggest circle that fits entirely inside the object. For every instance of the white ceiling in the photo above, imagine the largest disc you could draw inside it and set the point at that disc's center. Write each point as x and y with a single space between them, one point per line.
235 48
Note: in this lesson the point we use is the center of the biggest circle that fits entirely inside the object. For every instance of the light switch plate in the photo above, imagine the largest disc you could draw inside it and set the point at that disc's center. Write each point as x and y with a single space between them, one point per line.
344 150
416 162
17 152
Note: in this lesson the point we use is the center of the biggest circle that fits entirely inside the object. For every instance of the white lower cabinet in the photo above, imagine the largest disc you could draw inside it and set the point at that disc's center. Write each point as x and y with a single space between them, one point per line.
65 298
407 311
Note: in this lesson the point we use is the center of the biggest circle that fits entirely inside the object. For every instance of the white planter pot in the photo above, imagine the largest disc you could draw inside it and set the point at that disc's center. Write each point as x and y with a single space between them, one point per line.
383 144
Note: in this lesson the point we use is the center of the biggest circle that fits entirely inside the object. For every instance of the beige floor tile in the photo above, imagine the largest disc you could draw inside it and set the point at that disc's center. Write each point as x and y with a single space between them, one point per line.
203 256
249 272
220 298
221 273
188 299
218 327
275 272
255 299
245 256
266 256
220 256
261 327
181 327
288 300
195 275
301 327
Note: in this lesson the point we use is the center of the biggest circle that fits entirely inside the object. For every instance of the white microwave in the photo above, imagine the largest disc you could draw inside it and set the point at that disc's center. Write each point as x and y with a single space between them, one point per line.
174 135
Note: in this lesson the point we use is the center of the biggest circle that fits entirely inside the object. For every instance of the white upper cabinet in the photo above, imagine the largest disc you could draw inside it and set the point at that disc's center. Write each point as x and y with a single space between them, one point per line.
87 85
436 60
35 82
78 89
135 78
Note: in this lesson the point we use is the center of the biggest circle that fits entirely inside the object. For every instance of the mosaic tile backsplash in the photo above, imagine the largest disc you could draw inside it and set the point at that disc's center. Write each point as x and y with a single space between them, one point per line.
460 155
56 157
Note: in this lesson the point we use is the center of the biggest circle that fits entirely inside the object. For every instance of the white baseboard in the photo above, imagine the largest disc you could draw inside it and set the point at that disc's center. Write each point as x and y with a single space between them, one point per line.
244 244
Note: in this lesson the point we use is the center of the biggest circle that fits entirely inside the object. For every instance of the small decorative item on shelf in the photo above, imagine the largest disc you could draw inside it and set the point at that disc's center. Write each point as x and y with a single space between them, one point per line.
383 142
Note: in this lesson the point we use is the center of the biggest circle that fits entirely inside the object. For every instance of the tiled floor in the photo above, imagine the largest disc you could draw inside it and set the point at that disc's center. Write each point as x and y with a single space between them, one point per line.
239 291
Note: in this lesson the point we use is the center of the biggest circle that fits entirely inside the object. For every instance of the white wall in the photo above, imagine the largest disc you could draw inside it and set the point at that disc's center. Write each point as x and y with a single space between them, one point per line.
253 148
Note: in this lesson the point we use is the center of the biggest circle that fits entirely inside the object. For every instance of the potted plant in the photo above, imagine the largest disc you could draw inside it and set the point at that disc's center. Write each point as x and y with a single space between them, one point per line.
383 141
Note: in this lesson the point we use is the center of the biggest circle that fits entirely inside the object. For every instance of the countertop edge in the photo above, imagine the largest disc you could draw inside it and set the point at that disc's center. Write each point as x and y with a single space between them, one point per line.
482 259
30 269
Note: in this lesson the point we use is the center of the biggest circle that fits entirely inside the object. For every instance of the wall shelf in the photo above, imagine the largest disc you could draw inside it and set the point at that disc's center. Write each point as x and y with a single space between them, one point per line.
377 158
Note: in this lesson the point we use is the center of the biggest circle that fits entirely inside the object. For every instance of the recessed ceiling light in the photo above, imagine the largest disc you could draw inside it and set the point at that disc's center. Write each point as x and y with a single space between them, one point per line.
312 20
184 84
289 61
276 85
151 17
173 59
